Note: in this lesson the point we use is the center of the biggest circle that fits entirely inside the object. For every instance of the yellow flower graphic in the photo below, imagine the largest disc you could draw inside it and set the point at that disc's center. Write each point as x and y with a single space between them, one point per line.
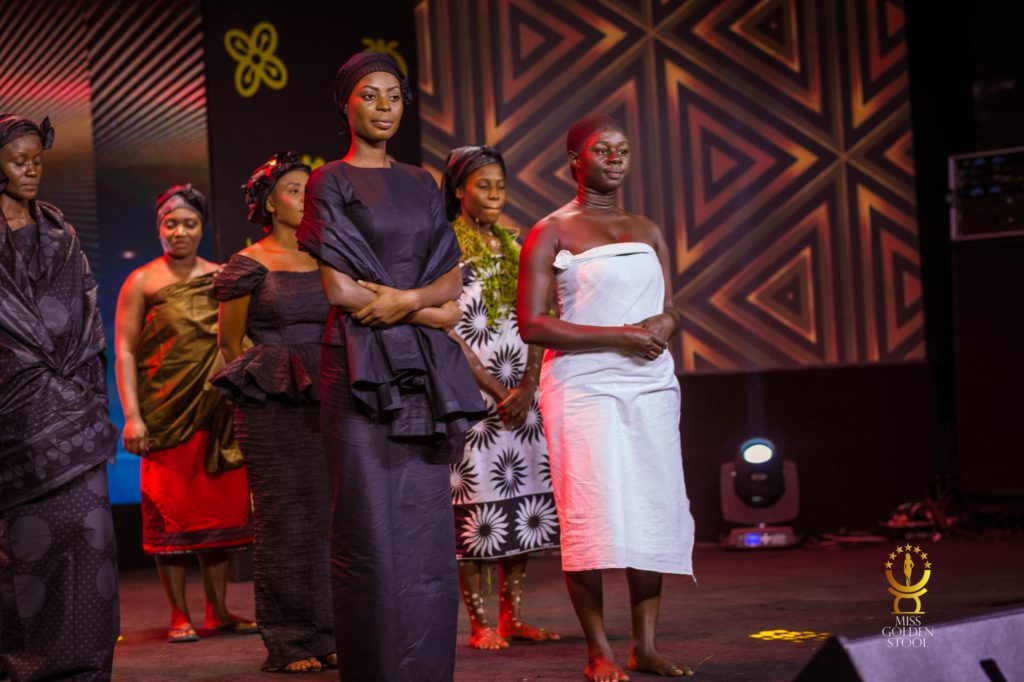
388 47
313 162
257 62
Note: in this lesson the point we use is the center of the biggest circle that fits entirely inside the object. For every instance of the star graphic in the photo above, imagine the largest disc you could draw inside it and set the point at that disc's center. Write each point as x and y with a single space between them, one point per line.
924 555
888 564
927 564
908 548
892 555
917 550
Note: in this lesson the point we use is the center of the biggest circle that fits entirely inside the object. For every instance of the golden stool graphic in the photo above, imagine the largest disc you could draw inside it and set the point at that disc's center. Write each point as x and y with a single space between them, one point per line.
908 590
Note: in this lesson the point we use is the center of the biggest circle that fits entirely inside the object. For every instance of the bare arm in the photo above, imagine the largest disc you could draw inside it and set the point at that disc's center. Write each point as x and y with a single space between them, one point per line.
393 305
344 292
484 379
354 298
536 327
131 308
514 408
232 320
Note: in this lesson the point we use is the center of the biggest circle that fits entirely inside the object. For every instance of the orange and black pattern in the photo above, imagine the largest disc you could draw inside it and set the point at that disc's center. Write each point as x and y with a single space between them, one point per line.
773 144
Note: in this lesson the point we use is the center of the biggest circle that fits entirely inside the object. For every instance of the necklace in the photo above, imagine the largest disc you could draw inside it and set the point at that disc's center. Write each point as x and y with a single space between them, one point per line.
498 272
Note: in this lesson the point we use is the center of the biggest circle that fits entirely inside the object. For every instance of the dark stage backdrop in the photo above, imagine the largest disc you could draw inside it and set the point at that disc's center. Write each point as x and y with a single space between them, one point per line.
773 145
270 68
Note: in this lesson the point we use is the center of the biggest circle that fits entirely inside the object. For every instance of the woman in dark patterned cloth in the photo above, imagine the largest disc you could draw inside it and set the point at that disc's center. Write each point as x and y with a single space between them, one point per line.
271 292
58 565
504 507
396 393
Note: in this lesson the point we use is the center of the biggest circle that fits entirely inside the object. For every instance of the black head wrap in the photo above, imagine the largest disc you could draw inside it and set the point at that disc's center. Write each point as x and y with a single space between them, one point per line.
180 196
358 67
262 182
582 129
462 162
13 126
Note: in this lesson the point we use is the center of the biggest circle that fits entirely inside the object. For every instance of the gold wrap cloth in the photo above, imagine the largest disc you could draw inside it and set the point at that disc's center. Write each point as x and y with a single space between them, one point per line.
176 355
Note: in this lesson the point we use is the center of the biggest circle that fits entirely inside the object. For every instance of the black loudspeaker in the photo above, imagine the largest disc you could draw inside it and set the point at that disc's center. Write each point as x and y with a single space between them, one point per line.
988 329
982 649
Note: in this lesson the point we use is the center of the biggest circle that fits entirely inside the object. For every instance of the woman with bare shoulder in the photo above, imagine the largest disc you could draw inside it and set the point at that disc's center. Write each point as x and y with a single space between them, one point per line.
609 396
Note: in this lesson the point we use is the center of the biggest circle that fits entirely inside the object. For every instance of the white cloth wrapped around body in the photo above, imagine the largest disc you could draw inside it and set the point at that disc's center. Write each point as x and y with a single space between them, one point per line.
612 423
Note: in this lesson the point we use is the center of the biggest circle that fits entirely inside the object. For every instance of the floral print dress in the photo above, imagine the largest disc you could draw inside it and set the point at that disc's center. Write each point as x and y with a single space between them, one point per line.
502 488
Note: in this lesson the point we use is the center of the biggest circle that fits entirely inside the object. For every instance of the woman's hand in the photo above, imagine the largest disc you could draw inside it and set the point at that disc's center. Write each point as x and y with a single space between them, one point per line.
514 408
663 325
452 315
390 306
640 341
136 436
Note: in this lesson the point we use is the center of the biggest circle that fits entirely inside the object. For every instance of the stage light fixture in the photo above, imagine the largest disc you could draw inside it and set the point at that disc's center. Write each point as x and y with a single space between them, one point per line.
759 489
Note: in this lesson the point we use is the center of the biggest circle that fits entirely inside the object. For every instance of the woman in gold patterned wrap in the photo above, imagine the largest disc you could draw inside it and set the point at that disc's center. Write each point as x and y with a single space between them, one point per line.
195 498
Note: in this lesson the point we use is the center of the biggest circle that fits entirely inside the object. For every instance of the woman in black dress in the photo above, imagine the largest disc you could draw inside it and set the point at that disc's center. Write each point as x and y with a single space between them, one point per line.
397 394
271 292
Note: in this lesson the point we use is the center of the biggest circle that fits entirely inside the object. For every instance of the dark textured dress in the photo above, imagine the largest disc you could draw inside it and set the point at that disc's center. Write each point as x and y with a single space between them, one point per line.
275 386
396 403
58 564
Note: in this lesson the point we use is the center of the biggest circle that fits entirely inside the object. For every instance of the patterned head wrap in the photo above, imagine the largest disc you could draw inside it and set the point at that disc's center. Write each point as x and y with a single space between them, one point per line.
13 126
358 67
180 196
462 162
262 182
582 129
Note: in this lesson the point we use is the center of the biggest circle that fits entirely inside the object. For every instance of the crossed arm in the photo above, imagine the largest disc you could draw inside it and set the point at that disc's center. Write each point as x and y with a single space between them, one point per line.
376 305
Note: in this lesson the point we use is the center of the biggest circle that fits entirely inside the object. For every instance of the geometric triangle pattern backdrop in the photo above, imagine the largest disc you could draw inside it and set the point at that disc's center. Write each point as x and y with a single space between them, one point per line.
772 143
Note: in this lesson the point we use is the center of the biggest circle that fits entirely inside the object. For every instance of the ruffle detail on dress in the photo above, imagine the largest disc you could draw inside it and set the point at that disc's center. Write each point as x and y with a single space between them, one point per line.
239 277
269 371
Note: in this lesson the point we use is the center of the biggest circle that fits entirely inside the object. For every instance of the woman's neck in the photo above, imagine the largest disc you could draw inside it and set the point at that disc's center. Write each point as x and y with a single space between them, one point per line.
594 200
365 154
16 211
181 267
483 228
283 236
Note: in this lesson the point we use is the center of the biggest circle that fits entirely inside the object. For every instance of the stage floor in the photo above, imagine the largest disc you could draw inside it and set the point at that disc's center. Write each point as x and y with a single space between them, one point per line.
707 625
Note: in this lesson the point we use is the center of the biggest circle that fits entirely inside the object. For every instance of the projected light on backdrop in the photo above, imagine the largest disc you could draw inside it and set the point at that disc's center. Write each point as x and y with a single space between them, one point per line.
772 144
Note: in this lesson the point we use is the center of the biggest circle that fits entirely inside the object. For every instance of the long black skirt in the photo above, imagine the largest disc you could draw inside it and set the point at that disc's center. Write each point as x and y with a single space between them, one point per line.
287 473
58 584
393 569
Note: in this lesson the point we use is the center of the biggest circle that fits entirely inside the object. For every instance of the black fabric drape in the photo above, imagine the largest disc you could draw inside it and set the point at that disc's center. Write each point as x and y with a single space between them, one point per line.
53 393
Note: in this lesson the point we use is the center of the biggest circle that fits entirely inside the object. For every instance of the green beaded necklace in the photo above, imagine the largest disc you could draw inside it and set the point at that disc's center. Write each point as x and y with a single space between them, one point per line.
500 276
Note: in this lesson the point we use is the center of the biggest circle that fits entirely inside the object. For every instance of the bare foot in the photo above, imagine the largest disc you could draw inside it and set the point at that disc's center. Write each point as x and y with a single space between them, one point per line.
177 635
653 662
487 639
330 660
304 665
235 625
601 669
517 629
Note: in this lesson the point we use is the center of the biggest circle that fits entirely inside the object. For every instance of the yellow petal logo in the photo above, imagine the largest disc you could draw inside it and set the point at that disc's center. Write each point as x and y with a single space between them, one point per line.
388 47
312 162
257 63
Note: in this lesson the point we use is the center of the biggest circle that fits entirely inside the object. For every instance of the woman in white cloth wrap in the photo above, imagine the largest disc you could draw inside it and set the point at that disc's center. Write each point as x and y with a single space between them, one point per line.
609 396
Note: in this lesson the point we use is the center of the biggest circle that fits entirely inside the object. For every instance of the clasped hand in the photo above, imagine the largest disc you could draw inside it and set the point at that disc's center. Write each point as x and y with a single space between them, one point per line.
648 338
395 305
391 305
514 407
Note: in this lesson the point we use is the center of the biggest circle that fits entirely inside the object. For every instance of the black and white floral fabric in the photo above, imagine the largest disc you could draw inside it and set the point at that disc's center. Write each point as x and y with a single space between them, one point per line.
502 488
